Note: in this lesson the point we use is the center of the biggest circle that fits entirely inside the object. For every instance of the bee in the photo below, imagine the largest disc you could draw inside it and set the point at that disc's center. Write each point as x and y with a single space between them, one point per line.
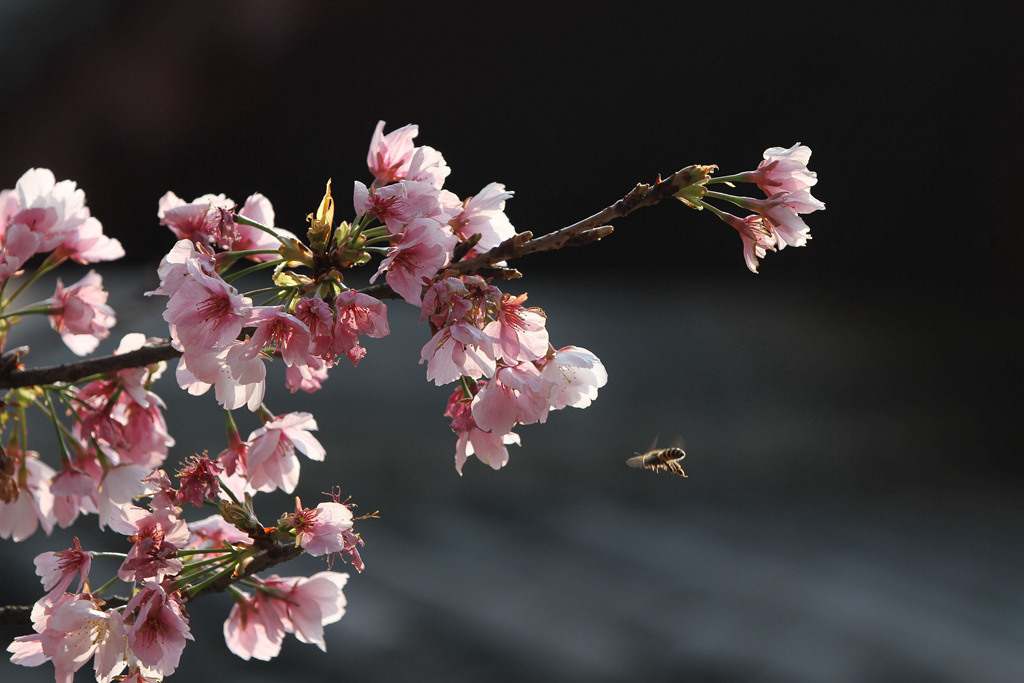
658 459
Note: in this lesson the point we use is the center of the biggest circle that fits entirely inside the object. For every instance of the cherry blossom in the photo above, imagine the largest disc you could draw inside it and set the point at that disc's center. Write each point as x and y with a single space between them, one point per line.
80 313
204 219
158 629
70 630
389 155
254 627
576 374
518 332
321 531
484 213
422 249
205 312
488 448
459 350
33 505
58 569
516 394
271 462
783 170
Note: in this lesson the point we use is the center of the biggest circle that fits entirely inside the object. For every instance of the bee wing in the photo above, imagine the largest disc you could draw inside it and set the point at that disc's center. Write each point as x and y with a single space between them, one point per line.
637 460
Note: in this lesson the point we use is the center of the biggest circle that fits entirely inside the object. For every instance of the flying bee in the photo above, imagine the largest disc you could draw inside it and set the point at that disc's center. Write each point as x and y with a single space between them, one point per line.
660 459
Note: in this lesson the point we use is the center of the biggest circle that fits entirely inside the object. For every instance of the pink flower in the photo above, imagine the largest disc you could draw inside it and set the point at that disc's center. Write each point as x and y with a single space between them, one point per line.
422 250
757 238
18 243
159 629
158 537
271 461
49 208
784 170
80 313
362 314
458 350
485 214
236 372
214 532
205 313
397 204
206 219
173 269
576 374
70 629
428 165
517 394
87 244
321 531
281 331
518 332
258 208
389 155
58 569
33 504
487 447
254 627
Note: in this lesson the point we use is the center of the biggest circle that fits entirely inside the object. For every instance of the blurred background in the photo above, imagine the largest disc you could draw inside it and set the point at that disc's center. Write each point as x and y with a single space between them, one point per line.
851 414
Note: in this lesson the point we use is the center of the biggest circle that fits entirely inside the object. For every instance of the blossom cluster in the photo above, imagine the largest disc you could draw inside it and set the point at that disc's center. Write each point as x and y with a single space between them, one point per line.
436 251
775 223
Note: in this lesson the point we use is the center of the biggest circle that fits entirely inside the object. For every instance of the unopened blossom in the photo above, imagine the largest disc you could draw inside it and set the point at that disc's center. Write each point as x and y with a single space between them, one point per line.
516 394
518 332
271 462
484 214
33 506
321 531
58 569
204 219
422 249
576 375
458 350
488 448
158 629
389 155
80 313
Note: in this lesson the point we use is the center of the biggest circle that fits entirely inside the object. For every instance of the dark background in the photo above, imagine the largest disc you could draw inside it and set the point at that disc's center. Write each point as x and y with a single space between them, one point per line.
851 413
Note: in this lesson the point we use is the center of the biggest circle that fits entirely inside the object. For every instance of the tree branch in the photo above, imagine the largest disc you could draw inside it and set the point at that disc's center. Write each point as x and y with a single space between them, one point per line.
11 378
584 232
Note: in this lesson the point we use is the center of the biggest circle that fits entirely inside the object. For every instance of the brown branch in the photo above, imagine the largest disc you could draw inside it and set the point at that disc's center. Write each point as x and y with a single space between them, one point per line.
584 232
70 372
